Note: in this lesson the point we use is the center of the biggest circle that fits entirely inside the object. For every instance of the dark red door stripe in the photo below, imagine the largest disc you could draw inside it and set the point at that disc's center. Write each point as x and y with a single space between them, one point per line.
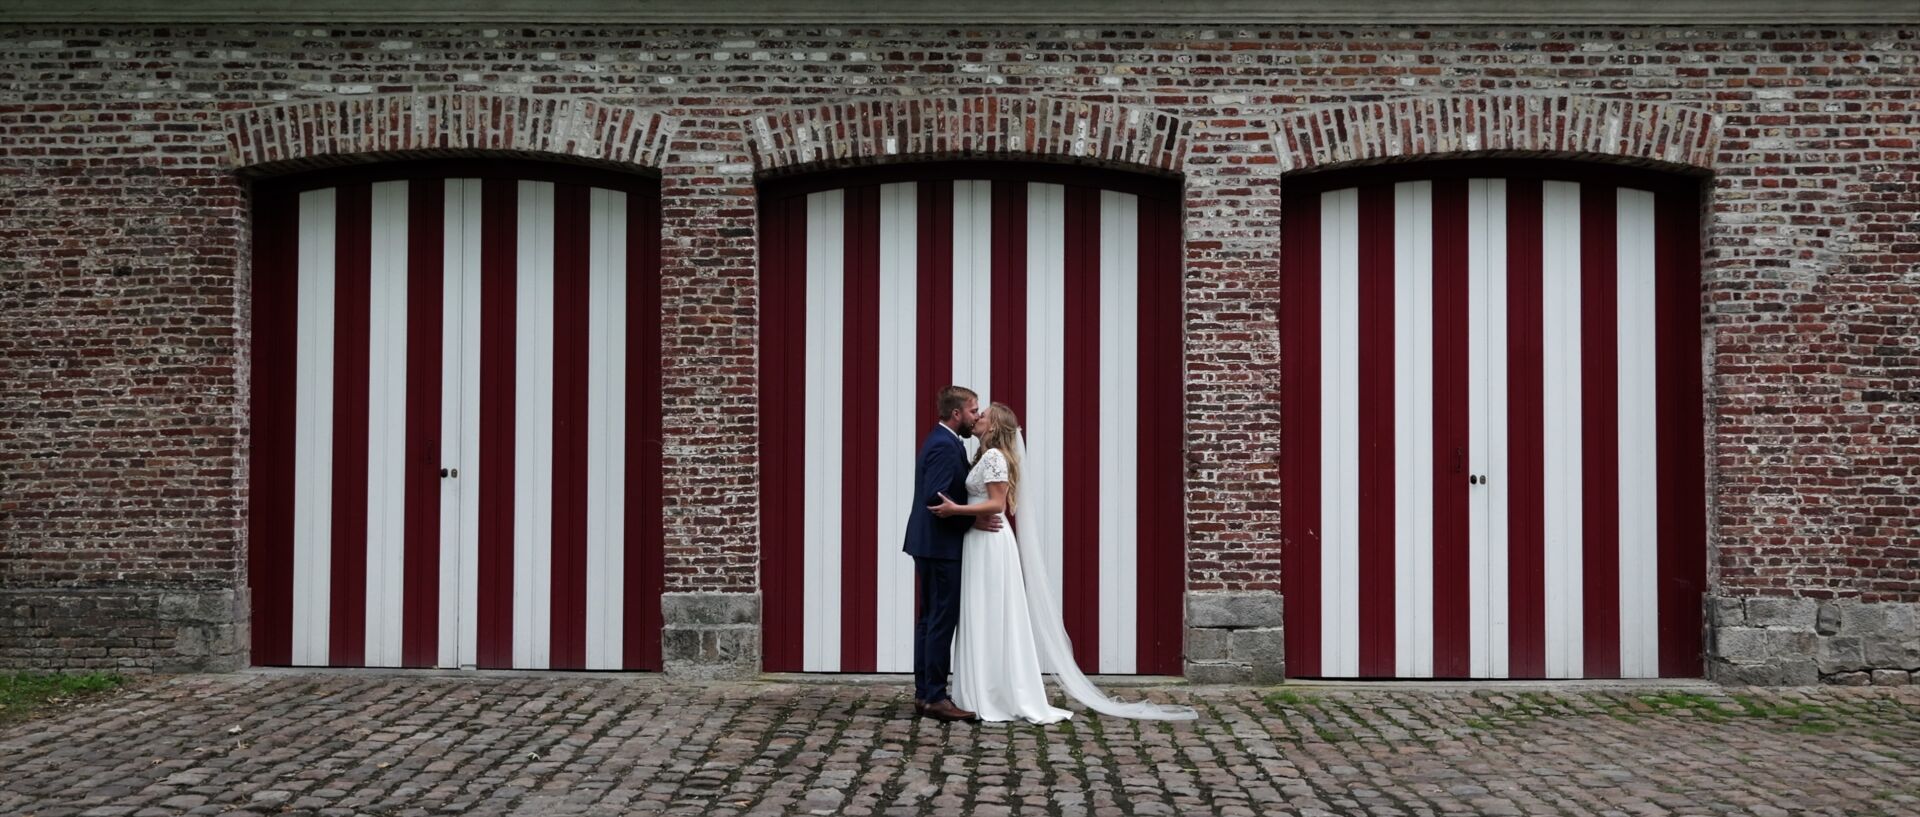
645 546
1526 523
1009 314
792 425
1162 517
572 290
1376 478
270 455
426 254
782 379
1149 497
1300 432
499 242
1677 412
1009 284
1599 431
1082 425
933 248
1452 645
860 405
347 617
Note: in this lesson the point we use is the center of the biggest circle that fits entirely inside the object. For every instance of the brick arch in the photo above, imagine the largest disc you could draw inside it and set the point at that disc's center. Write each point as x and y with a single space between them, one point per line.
327 132
868 131
1514 124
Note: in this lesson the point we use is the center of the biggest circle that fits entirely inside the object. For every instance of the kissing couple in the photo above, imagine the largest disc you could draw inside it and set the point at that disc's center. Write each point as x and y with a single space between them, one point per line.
987 615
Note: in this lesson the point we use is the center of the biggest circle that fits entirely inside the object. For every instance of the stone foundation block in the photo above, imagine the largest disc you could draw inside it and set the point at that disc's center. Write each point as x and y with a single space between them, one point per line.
1235 638
710 636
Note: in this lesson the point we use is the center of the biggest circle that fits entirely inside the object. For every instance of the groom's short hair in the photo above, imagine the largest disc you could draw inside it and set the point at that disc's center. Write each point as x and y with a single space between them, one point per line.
954 398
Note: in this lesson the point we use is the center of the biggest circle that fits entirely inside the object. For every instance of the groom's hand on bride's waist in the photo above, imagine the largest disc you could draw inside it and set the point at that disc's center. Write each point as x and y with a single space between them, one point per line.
987 522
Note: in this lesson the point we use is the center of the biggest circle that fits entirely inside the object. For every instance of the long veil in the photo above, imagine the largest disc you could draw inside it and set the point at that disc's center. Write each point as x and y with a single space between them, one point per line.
1050 635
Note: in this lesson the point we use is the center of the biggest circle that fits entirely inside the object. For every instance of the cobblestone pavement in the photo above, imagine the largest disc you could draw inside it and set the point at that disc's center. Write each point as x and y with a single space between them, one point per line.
329 743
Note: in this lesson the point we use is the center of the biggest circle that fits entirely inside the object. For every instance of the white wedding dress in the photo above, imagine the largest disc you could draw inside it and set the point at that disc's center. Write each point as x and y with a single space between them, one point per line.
1011 629
996 669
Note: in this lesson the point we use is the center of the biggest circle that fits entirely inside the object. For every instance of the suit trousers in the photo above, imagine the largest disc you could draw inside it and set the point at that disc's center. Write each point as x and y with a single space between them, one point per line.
933 629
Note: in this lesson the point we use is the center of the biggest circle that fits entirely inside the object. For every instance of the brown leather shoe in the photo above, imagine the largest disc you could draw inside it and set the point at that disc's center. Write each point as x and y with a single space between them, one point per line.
919 708
947 711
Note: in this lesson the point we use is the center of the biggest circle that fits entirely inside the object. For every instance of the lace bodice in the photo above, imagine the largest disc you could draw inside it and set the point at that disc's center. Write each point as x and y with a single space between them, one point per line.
992 467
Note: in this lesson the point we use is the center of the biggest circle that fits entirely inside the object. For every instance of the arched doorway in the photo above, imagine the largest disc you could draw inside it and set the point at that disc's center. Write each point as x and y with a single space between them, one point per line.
1053 289
1492 422
455 417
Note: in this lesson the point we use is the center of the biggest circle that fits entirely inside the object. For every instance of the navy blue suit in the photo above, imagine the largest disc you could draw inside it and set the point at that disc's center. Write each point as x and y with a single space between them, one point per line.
934 544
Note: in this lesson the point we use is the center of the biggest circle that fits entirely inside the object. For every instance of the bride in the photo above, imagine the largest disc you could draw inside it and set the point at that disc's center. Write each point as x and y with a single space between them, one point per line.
1011 628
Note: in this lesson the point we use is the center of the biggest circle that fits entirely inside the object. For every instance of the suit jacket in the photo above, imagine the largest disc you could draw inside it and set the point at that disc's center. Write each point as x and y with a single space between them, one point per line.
942 467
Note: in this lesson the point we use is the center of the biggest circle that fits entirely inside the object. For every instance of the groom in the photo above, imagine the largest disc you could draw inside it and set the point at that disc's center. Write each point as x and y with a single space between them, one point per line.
934 544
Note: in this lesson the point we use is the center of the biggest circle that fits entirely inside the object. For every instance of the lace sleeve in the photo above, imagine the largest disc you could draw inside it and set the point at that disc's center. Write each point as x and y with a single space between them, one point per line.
993 466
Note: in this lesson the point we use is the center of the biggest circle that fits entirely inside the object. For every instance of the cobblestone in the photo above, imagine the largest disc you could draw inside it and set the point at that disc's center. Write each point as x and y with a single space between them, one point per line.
354 744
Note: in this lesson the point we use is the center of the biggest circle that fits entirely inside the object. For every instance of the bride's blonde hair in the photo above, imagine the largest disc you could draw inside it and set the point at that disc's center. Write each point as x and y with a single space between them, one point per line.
1006 429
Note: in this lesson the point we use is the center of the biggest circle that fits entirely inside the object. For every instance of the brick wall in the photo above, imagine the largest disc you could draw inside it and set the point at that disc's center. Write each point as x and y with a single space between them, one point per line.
123 232
123 629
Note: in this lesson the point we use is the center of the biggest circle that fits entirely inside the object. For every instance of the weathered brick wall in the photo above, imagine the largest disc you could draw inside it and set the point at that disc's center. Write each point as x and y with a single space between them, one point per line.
123 334
124 629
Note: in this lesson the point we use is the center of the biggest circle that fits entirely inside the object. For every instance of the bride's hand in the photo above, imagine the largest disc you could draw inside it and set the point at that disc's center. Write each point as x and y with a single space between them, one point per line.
945 509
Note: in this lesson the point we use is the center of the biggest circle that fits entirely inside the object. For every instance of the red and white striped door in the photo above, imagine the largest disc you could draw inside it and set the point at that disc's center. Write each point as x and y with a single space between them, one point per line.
455 414
1056 292
1491 407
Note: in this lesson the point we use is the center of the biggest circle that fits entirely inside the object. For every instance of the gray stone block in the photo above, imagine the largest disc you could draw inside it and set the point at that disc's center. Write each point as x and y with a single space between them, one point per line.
1234 610
1850 679
1891 678
1208 644
710 636
230 662
679 644
193 641
1753 645
212 607
733 645
1890 651
1218 672
1260 647
1840 654
710 609
697 670
1783 614
730 652
1781 673
1264 674
1727 611
1872 619
1827 621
